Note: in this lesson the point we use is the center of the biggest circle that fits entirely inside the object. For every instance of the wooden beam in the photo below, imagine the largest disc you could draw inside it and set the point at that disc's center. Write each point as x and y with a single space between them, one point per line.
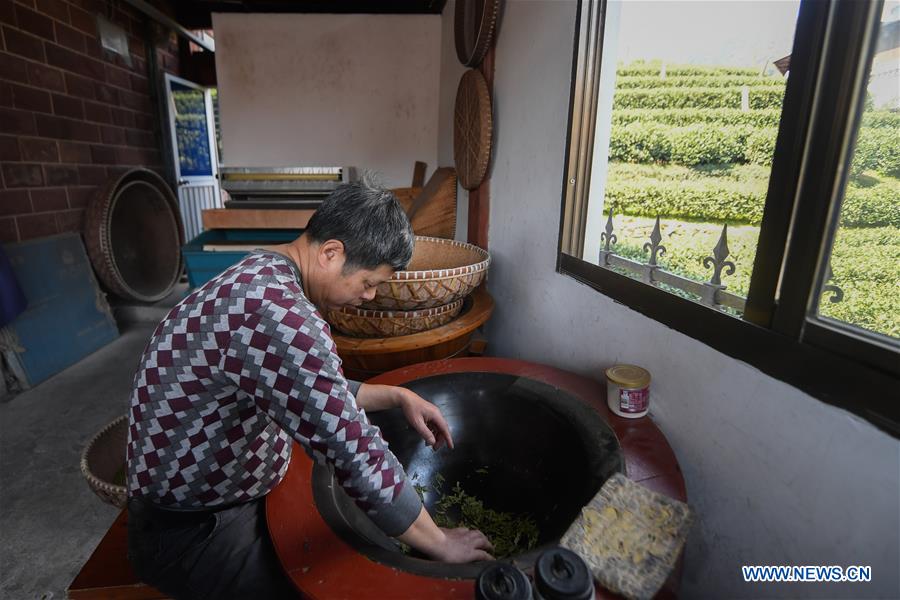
256 218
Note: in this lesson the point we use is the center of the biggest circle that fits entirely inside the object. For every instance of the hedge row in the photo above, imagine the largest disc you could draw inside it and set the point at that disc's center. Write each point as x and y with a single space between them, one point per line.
877 150
744 174
684 70
760 97
697 144
708 200
881 118
715 81
869 206
770 117
690 116
688 199
760 146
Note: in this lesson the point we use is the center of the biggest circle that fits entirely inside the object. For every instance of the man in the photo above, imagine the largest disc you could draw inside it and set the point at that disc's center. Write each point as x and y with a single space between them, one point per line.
246 363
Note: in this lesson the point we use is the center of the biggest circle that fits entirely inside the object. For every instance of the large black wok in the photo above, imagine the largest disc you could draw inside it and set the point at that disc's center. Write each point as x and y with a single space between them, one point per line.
545 452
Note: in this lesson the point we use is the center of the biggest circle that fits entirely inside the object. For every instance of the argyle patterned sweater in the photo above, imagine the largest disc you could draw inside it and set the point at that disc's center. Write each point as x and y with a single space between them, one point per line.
236 370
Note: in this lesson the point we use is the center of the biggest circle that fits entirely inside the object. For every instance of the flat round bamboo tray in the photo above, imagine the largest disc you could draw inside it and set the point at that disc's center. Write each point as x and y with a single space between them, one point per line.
366 357
474 24
103 458
361 322
472 129
441 271
133 234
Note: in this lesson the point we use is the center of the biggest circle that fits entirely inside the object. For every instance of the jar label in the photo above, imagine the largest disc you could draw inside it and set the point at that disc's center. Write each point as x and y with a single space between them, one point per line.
634 401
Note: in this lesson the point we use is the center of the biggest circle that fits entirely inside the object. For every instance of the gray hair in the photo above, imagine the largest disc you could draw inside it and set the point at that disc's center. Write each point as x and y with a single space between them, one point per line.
369 221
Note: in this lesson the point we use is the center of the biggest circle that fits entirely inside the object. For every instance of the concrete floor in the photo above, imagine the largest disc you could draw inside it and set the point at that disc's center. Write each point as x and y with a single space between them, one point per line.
50 520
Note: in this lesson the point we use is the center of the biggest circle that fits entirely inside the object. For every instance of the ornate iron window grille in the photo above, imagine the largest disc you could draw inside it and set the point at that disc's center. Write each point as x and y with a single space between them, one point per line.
712 293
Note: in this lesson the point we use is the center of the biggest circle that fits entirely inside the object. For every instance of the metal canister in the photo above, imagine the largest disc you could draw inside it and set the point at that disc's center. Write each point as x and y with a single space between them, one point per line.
502 581
560 574
628 390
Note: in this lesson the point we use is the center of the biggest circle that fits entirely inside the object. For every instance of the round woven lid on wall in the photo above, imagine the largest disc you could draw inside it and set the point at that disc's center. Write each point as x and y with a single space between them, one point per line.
133 234
474 25
472 129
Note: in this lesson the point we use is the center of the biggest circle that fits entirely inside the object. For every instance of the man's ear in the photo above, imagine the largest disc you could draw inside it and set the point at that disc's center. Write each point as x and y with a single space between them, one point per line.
331 252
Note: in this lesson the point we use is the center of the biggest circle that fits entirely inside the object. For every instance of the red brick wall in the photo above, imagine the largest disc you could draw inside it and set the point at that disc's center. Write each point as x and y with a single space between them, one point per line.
72 115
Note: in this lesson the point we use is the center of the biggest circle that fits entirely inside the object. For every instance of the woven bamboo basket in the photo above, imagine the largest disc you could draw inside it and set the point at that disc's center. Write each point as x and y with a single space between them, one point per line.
359 322
441 272
104 458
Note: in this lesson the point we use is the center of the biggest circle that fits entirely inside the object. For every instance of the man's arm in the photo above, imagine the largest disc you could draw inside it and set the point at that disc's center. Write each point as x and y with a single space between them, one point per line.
294 376
284 359
373 397
424 416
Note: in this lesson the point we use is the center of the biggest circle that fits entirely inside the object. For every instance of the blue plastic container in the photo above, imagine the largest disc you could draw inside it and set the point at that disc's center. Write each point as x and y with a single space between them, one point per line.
204 265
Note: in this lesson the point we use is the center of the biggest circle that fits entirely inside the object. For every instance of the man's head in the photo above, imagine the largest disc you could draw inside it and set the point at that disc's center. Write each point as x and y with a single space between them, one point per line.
358 237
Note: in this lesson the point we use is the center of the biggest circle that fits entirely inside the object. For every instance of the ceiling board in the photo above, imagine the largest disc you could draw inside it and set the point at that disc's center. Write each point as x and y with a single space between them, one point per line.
196 14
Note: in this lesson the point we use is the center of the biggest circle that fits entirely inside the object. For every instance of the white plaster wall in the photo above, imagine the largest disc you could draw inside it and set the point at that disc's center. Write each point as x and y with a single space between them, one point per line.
328 89
775 476
451 72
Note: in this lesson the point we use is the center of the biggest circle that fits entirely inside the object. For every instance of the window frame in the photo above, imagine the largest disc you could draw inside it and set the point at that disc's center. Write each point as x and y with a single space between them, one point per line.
832 53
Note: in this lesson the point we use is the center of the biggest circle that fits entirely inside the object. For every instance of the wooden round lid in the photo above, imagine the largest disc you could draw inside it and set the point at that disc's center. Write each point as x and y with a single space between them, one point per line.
472 129
474 25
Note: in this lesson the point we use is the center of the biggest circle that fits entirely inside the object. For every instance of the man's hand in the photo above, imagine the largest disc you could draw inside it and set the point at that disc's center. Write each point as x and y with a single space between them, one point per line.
464 545
458 545
425 418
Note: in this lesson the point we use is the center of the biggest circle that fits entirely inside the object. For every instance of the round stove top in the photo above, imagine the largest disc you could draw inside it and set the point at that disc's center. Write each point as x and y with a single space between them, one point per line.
529 439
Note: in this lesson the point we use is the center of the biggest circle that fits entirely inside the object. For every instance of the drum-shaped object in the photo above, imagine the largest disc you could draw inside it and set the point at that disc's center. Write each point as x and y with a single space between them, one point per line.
133 234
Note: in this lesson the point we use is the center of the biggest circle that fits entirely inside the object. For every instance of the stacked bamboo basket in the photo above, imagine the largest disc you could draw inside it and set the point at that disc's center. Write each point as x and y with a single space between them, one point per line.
430 293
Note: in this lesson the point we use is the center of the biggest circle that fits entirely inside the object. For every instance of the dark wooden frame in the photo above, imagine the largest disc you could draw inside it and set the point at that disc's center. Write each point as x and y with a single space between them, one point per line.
832 52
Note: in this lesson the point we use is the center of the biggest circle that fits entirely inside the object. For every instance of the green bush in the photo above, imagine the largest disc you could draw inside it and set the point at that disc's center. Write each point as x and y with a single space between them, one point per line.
672 192
701 143
866 267
754 176
689 116
761 146
652 68
705 144
760 98
710 81
872 206
640 143
697 200
881 118
877 150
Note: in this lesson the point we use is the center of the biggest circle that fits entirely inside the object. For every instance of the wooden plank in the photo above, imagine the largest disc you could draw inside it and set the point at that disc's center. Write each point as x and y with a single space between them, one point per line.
433 212
418 179
107 574
256 218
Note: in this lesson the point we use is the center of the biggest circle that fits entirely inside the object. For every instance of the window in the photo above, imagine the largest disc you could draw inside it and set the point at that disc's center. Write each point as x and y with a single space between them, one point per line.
734 172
